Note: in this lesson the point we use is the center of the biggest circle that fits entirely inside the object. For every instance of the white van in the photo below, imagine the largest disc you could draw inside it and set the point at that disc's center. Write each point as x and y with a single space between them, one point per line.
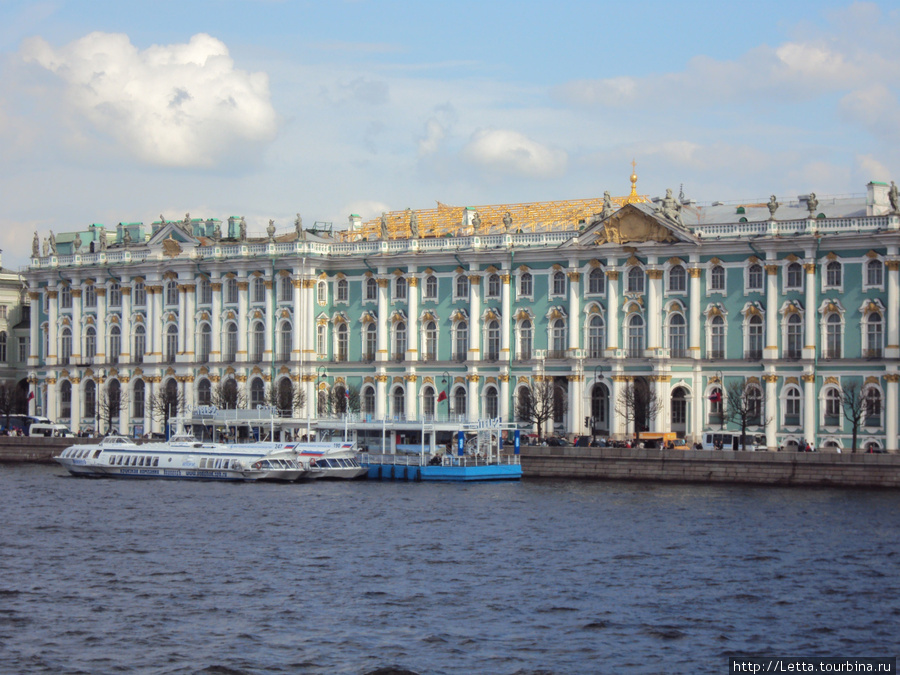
732 441
49 430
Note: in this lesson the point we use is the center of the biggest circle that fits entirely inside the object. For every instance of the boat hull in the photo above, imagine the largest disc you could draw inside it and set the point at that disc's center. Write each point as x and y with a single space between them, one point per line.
481 472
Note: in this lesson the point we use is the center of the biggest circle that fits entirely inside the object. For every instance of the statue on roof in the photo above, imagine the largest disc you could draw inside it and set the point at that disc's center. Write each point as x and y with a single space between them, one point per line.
76 244
187 223
773 206
162 219
507 221
476 223
607 206
384 225
413 224
217 231
270 230
102 238
812 204
35 246
670 208
894 197
298 227
242 229
46 247
126 236
52 243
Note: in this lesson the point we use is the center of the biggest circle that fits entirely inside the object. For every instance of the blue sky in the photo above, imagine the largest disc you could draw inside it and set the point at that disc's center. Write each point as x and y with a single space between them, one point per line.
113 111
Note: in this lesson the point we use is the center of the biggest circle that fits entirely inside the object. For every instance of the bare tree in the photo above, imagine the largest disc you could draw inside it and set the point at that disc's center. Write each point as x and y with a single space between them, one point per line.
110 403
743 407
286 399
12 401
539 401
342 399
166 403
637 404
853 405
228 395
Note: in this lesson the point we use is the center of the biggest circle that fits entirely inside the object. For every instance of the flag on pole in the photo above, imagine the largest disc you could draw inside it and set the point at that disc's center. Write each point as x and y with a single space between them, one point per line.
442 396
715 396
30 395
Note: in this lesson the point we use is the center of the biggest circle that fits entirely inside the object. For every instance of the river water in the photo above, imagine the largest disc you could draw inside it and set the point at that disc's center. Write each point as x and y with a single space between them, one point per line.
115 576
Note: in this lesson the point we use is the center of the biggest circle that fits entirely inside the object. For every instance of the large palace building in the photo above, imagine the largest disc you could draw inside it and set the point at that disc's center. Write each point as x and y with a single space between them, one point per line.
451 313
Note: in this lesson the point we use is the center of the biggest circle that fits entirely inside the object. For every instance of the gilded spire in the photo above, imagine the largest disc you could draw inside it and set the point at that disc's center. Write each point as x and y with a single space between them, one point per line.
634 197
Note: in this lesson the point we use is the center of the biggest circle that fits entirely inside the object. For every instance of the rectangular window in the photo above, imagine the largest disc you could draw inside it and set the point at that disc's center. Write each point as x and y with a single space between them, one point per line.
23 349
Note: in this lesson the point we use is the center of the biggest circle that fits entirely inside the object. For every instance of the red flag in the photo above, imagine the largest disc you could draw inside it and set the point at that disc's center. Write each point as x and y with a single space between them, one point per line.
442 396
715 396
30 395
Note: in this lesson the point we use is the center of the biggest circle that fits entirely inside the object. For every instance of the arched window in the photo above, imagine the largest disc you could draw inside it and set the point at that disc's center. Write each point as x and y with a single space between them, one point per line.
400 341
794 276
523 402
3 345
171 342
596 282
65 297
677 336
559 283
493 286
833 276
231 342
792 406
115 344
874 335
716 406
677 279
322 340
321 292
526 284
596 341
90 342
717 337
259 290
398 403
65 402
462 286
717 278
635 280
526 340
833 330
599 408
635 336
113 403
257 393
558 339
137 403
65 345
285 341
755 328
231 290
679 409
873 407
428 402
431 341
343 342
115 295
794 348
460 404
461 341
340 398
285 400
90 399
492 340
204 292
204 392
370 331
343 290
755 277
171 293
257 341
491 403
371 289
204 343
286 290
368 400
230 394
140 343
874 273
431 287
754 405
400 289
832 406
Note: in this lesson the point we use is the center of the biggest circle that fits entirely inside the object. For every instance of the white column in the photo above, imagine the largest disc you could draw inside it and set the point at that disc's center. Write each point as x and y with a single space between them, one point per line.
52 327
381 352
125 355
215 353
271 321
812 338
772 412
575 318
663 421
77 409
51 404
891 413
474 411
243 297
412 333
616 421
34 348
150 423
412 398
475 321
810 404
576 405
612 308
101 323
771 350
504 398
506 324
654 310
380 396
308 321
694 312
893 309
154 323
698 405
76 326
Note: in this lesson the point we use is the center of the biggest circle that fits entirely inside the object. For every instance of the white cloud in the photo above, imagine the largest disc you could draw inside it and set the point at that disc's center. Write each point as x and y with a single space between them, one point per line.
872 169
509 152
174 105
364 209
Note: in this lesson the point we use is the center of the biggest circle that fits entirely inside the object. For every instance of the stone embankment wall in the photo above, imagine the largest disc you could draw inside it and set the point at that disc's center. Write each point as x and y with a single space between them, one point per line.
38 449
701 466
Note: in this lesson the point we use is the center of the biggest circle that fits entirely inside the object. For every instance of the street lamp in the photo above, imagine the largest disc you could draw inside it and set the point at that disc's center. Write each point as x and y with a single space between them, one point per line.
719 394
444 380
598 377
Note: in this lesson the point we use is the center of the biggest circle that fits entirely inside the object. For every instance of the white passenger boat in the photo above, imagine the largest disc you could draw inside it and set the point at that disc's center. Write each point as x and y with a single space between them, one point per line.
183 457
331 460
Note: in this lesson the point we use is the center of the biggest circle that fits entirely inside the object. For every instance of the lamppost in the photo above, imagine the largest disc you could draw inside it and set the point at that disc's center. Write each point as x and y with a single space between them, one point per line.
445 391
719 394
598 377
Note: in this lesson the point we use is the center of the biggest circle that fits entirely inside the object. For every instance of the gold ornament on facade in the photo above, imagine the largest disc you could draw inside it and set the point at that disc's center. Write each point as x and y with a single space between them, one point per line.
216 286
808 379
832 256
892 377
381 378
504 378
695 272
76 292
171 248
612 275
772 270
574 277
655 274
892 265
810 268
411 378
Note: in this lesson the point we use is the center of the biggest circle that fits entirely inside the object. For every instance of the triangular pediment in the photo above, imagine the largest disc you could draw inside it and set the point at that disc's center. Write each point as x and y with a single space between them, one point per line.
173 231
635 223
